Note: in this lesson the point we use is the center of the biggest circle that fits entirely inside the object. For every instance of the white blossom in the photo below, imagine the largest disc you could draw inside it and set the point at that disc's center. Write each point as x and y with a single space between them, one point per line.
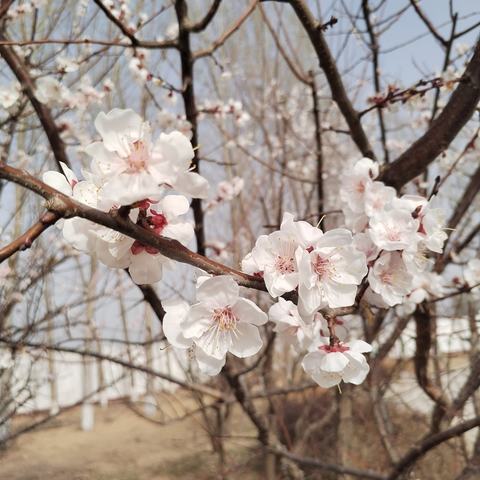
221 321
290 325
390 278
329 365
79 232
133 167
176 312
355 181
50 91
329 271
394 229
9 94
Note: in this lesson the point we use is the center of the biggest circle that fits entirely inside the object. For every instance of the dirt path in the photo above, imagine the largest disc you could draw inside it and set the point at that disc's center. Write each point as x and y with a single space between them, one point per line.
122 446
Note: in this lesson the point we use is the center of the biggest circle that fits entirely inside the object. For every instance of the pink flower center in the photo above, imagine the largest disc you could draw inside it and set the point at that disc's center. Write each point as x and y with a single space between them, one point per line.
156 222
393 235
284 264
138 158
386 277
225 319
322 266
334 348
360 186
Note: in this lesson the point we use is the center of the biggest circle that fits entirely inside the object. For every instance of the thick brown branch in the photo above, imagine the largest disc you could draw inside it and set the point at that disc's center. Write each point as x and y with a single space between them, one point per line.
44 115
329 67
463 205
428 444
472 383
188 95
4 6
66 207
466 199
151 297
442 131
423 323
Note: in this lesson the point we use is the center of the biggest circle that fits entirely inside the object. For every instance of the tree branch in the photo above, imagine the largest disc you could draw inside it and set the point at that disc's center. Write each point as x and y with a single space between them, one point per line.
428 24
423 341
227 34
67 207
430 442
127 32
442 131
43 112
191 114
374 47
205 21
26 240
329 67
91 353
329 467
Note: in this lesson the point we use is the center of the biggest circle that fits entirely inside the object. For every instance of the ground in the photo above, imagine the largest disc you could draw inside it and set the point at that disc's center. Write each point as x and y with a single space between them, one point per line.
123 446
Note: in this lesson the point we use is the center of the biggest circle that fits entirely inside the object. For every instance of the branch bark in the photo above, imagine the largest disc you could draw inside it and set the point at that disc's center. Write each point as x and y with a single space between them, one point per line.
428 444
26 240
20 70
442 131
329 67
188 94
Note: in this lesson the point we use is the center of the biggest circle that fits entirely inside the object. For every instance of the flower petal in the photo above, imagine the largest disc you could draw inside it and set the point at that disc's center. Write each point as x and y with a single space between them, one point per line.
247 312
207 364
334 362
174 205
118 125
218 292
355 373
146 268
197 321
175 313
191 184
246 341
57 181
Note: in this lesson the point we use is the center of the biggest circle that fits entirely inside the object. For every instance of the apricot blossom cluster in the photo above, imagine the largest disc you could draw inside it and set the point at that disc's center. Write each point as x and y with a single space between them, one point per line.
380 256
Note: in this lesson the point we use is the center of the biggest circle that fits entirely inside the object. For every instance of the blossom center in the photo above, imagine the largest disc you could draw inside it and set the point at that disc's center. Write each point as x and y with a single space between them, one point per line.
159 221
225 319
393 235
322 266
285 264
138 158
154 221
334 348
387 277
360 186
